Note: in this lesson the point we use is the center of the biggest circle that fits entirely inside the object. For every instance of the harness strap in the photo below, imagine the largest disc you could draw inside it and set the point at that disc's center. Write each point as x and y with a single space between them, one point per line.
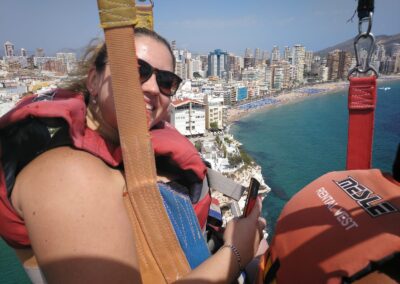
160 256
144 14
364 8
224 185
361 104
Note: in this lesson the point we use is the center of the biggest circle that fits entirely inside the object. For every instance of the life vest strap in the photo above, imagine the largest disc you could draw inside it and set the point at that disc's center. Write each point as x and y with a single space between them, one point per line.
361 104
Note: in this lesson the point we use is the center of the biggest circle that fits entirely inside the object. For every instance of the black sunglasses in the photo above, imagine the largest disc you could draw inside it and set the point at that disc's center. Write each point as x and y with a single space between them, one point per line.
167 82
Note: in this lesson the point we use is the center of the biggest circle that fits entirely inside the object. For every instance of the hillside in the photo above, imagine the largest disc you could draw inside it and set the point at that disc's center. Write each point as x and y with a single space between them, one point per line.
386 40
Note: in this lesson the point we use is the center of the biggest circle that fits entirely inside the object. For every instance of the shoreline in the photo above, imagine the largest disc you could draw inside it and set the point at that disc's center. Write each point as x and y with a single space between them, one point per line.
293 96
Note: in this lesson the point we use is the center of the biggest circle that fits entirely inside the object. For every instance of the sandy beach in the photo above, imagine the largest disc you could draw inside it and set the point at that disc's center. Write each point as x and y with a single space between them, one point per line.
263 104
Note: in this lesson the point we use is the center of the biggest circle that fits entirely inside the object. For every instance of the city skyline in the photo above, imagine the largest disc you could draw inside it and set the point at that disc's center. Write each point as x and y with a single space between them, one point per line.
200 27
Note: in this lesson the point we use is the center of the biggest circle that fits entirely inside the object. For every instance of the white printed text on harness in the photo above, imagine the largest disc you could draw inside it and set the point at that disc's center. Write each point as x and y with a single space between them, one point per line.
365 197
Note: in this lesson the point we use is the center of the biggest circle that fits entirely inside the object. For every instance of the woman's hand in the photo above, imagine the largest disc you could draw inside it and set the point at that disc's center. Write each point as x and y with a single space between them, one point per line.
246 233
222 267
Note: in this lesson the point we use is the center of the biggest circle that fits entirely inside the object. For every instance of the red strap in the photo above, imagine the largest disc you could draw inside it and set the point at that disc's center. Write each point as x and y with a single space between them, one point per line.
361 103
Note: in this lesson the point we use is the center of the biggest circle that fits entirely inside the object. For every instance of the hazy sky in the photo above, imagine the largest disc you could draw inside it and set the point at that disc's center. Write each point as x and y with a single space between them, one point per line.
199 26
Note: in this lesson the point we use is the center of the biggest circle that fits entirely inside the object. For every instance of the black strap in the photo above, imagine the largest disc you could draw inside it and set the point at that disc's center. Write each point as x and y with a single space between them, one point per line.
364 8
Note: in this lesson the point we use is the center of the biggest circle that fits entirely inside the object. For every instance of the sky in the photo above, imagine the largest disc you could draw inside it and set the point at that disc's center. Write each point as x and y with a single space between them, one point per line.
198 26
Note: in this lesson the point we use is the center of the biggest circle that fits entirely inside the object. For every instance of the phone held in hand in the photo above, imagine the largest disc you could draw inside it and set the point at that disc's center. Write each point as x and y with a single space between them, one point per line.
251 198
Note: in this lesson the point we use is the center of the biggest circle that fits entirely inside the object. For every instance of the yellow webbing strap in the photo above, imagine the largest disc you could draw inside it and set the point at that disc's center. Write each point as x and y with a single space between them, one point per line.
144 16
160 255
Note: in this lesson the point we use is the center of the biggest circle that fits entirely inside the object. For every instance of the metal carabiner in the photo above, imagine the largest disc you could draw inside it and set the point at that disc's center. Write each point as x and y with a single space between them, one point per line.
370 49
367 67
363 20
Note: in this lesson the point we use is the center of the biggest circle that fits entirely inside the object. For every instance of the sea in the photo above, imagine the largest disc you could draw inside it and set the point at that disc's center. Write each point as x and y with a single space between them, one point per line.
294 144
300 141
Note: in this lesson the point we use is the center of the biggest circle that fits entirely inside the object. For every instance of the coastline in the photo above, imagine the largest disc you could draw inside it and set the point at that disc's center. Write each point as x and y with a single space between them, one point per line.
263 104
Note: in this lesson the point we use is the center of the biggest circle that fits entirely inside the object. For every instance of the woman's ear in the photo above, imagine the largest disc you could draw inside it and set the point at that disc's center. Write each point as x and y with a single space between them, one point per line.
92 81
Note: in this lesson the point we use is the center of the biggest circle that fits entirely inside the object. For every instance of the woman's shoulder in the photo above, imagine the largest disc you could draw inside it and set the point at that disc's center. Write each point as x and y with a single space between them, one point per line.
65 171
64 162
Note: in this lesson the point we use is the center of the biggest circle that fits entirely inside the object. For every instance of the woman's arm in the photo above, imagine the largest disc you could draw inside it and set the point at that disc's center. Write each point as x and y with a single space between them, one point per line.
73 208
223 267
80 232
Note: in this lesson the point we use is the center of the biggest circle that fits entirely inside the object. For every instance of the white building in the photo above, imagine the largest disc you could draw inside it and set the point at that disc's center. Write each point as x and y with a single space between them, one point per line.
69 59
251 74
216 111
8 49
278 79
188 117
323 73
299 53
275 54
268 77
180 69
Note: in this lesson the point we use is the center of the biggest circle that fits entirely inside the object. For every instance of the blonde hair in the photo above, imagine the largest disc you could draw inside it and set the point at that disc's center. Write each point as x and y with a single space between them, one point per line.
95 55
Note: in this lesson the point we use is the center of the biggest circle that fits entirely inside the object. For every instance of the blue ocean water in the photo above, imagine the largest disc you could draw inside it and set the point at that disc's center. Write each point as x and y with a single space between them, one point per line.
298 142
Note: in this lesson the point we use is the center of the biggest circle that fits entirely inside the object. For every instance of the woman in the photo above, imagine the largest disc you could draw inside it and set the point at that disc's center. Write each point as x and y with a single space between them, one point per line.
71 200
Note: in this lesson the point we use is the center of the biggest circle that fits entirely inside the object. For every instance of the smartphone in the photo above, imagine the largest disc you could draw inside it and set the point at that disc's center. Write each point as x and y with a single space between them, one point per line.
251 198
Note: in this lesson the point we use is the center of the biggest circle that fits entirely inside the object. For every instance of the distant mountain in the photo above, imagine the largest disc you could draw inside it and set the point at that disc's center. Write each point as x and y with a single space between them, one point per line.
348 45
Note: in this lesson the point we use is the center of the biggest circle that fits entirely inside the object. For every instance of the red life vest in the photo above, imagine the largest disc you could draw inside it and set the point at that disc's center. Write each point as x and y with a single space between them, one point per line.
336 228
70 108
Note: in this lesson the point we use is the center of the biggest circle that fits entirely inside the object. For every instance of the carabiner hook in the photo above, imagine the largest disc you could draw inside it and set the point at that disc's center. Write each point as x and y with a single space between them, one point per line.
370 49
363 20
367 67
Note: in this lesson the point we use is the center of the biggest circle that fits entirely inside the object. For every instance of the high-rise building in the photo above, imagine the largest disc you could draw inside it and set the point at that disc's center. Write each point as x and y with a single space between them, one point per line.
278 78
247 53
338 63
204 62
23 52
173 45
395 49
69 59
286 69
265 55
251 74
387 65
268 77
39 52
308 59
298 61
234 66
287 54
275 55
8 49
323 73
397 63
180 69
316 64
249 62
257 54
196 67
217 63
380 52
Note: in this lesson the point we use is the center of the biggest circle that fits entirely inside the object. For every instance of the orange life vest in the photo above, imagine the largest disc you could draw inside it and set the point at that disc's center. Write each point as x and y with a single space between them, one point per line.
24 134
336 229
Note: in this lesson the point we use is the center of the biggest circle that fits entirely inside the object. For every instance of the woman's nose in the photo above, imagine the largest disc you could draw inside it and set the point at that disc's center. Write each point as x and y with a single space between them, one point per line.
151 86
